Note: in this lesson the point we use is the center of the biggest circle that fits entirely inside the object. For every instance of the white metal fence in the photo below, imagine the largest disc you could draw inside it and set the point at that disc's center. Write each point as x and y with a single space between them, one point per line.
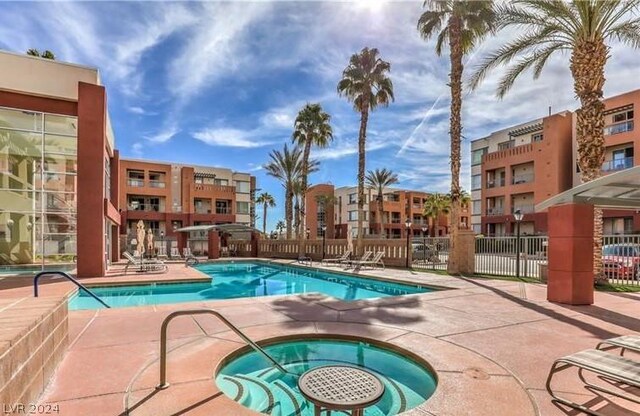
499 256
621 259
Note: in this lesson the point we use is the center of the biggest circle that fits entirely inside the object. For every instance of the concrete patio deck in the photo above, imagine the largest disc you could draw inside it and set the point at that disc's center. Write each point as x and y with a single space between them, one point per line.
491 343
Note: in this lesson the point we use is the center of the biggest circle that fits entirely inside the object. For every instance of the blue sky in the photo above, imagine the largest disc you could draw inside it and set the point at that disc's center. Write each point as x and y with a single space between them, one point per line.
220 83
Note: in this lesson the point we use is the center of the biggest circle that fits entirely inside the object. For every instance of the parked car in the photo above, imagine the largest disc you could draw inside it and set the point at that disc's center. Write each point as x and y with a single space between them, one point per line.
621 261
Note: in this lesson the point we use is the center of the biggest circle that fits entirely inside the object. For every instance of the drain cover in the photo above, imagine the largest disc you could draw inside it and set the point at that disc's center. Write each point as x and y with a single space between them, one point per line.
476 373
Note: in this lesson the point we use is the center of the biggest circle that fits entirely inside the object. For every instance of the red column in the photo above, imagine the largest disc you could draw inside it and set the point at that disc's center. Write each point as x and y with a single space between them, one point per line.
570 254
182 241
92 104
254 244
214 245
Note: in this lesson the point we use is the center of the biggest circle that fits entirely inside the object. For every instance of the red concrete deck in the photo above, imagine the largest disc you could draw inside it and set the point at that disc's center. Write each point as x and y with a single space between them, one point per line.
491 343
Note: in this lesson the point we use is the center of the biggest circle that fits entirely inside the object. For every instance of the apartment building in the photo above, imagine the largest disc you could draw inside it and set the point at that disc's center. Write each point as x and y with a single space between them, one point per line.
398 206
168 196
58 167
621 139
523 165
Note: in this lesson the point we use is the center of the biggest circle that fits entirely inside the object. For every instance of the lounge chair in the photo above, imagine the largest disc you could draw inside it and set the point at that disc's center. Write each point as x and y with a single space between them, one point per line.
375 261
364 257
337 260
144 265
626 342
186 252
224 252
304 259
608 366
175 253
162 252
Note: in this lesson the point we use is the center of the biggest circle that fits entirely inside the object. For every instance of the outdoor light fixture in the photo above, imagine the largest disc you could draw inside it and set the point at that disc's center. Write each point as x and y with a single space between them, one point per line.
424 243
10 223
324 233
407 224
518 216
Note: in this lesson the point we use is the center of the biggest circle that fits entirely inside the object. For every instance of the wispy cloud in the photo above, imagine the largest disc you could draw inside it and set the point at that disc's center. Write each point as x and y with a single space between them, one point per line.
230 137
163 135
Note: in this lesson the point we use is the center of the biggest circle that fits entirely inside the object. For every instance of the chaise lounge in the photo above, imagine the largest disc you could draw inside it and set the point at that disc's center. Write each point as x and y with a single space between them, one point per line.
608 366
337 260
143 265
376 261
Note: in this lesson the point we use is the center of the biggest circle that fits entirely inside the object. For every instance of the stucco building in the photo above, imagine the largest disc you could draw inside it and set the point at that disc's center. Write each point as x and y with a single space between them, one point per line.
523 165
168 196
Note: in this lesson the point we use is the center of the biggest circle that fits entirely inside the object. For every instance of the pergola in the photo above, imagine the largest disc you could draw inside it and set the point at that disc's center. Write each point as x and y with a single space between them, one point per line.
213 235
570 224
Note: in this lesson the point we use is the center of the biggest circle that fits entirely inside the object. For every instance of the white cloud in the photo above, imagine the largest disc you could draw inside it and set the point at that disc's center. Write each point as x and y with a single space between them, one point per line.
164 135
230 137
215 47
137 148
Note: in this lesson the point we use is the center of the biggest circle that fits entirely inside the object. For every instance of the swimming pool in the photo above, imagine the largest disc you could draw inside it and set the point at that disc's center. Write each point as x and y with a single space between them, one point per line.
253 382
232 280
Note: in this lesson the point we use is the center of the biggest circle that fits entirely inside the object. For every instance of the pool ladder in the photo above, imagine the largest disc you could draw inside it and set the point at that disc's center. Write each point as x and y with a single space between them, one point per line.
68 277
163 341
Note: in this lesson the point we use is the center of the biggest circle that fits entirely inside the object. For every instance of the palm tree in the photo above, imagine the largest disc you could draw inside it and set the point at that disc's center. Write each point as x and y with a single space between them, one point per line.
380 179
47 54
285 166
435 206
584 28
463 24
324 201
312 127
279 227
365 82
297 211
267 201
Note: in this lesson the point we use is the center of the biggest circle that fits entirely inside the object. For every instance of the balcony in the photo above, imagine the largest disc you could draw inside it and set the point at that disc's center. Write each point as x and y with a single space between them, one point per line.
525 209
136 183
526 178
203 210
618 128
157 184
495 183
144 207
224 211
617 164
495 211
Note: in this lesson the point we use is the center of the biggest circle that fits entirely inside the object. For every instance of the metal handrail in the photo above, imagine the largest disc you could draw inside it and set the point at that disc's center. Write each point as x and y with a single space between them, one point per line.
163 341
68 277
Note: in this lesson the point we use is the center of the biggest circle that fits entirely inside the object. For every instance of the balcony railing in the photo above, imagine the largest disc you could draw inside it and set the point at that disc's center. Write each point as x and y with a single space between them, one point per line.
617 164
224 210
395 220
495 211
138 183
203 210
157 184
618 128
145 207
495 183
525 209
518 179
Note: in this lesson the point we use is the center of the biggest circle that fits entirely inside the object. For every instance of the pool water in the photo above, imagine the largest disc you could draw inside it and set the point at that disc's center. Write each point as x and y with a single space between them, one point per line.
253 382
242 280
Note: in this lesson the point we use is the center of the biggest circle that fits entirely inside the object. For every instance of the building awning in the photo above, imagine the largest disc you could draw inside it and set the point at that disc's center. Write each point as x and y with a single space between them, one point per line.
229 228
620 190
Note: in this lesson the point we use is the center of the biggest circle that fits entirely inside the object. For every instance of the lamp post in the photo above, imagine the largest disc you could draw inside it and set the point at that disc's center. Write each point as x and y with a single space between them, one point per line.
518 215
407 225
424 243
324 233
164 247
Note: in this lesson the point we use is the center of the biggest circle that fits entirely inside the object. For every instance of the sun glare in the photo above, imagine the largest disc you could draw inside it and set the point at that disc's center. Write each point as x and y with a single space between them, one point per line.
372 5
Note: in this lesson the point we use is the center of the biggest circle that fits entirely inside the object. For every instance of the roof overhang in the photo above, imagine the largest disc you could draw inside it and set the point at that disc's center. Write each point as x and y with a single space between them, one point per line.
620 190
229 228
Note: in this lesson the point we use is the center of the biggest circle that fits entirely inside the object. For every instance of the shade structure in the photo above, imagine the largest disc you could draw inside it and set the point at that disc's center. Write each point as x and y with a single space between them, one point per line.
617 190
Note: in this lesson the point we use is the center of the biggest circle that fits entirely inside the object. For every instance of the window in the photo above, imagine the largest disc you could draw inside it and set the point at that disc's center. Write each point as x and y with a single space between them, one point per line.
477 228
506 145
223 182
242 207
538 137
353 198
353 216
243 187
476 182
476 207
476 155
623 116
